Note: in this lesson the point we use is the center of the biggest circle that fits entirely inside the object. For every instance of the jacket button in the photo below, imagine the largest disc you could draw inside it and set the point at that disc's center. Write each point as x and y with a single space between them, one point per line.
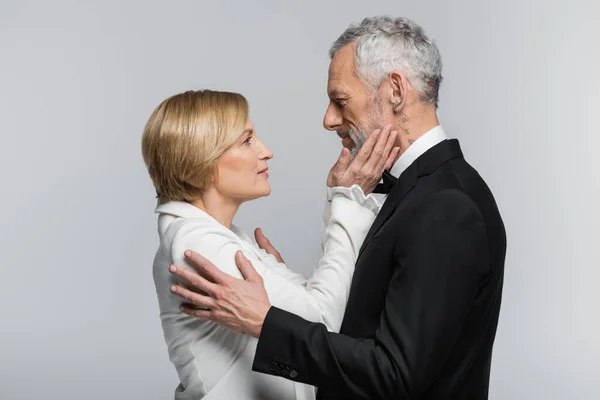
273 366
293 373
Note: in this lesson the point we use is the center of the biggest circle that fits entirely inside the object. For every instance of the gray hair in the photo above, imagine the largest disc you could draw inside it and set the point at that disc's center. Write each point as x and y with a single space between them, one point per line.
384 44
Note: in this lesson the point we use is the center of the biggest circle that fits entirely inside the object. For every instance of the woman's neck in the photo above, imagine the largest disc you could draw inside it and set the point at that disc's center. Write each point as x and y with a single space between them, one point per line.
221 209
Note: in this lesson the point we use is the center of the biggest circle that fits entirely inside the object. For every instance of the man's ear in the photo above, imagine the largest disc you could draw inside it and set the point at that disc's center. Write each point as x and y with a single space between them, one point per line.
399 89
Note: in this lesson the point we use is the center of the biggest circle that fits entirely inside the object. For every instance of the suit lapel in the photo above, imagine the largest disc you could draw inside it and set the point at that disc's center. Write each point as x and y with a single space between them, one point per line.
424 165
403 185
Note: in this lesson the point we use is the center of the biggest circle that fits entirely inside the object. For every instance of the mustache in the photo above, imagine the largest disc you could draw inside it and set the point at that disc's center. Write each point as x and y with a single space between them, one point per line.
349 132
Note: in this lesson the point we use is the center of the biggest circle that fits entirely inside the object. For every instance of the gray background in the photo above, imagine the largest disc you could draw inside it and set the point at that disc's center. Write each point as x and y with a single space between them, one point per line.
78 80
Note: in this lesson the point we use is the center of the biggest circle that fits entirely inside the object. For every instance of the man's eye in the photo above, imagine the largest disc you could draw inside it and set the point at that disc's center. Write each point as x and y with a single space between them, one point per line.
341 102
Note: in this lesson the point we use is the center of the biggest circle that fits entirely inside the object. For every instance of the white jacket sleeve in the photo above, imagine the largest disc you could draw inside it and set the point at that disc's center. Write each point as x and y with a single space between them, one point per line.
354 193
323 298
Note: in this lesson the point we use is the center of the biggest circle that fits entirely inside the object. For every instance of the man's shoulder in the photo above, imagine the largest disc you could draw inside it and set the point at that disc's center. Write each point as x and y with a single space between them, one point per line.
452 183
455 175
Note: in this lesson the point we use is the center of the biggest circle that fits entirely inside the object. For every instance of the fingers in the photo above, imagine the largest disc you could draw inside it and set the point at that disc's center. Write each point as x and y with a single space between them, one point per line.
266 245
391 160
367 147
262 240
198 300
205 267
379 155
343 162
246 267
194 312
193 280
389 146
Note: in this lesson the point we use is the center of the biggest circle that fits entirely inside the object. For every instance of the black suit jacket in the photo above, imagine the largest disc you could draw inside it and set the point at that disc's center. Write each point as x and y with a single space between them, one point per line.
423 308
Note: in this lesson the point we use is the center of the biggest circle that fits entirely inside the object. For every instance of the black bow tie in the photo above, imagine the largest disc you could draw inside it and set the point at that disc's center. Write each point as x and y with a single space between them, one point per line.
388 182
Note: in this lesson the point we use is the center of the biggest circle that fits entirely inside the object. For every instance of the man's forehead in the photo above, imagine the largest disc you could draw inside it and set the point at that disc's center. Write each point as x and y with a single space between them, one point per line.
341 71
343 61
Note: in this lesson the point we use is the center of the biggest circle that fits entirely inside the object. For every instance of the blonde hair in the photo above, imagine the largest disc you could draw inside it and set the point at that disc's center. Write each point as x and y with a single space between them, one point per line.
185 136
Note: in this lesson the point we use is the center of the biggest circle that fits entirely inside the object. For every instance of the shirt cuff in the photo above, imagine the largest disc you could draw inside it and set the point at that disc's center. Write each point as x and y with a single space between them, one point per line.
356 194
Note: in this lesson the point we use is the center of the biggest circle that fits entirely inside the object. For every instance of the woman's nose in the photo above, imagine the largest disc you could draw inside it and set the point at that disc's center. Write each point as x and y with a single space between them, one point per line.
266 153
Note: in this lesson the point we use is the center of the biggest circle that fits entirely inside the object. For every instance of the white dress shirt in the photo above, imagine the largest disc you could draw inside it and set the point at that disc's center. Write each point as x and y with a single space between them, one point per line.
214 363
414 151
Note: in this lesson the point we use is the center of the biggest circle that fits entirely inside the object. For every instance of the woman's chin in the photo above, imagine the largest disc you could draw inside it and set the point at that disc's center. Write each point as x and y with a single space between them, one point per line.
267 191
263 192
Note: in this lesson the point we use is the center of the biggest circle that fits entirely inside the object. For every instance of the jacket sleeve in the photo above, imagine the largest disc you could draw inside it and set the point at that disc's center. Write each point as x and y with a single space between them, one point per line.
440 262
321 298
353 216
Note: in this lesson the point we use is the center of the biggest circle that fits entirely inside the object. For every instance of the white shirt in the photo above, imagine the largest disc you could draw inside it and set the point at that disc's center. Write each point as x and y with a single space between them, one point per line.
417 149
214 363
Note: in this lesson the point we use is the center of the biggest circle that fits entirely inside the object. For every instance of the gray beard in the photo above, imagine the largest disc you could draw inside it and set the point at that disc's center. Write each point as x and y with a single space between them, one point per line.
359 136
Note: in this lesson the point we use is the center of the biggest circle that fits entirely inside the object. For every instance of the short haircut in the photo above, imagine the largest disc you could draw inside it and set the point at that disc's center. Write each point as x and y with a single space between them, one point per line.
185 136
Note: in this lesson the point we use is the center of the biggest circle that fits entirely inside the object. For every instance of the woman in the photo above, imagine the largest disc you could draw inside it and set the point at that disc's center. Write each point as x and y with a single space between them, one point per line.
205 160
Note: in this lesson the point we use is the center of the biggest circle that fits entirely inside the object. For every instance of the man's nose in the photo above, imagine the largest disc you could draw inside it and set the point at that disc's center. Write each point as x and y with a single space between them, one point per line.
332 120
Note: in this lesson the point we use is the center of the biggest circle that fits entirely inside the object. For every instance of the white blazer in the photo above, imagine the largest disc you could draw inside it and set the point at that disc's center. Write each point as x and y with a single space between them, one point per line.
214 363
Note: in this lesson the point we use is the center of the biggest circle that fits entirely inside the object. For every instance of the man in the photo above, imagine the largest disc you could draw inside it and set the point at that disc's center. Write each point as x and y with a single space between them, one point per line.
425 298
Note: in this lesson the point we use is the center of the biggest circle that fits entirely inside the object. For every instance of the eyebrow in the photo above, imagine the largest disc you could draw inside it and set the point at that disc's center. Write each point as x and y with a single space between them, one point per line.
245 132
336 93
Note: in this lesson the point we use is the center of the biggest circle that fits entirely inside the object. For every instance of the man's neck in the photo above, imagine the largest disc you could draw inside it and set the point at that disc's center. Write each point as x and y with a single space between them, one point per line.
414 123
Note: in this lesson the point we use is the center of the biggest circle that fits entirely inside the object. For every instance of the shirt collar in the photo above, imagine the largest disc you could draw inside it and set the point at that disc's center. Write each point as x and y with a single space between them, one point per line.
186 210
417 149
181 209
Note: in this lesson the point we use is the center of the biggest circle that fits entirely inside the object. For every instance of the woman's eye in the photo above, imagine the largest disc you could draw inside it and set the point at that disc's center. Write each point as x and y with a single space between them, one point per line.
247 141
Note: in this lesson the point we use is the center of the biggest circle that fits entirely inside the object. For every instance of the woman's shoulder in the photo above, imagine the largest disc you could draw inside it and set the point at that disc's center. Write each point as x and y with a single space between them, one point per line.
177 220
213 241
185 227
204 233
202 230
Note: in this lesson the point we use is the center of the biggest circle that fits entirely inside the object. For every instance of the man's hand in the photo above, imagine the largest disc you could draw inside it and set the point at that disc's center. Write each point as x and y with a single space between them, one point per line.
240 305
266 245
375 156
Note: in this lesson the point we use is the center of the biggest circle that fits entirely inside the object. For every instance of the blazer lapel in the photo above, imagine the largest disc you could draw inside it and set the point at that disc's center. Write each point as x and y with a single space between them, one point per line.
403 185
424 165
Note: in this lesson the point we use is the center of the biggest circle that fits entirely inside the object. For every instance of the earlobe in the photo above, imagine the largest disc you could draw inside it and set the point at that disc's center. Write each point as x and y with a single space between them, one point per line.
396 91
